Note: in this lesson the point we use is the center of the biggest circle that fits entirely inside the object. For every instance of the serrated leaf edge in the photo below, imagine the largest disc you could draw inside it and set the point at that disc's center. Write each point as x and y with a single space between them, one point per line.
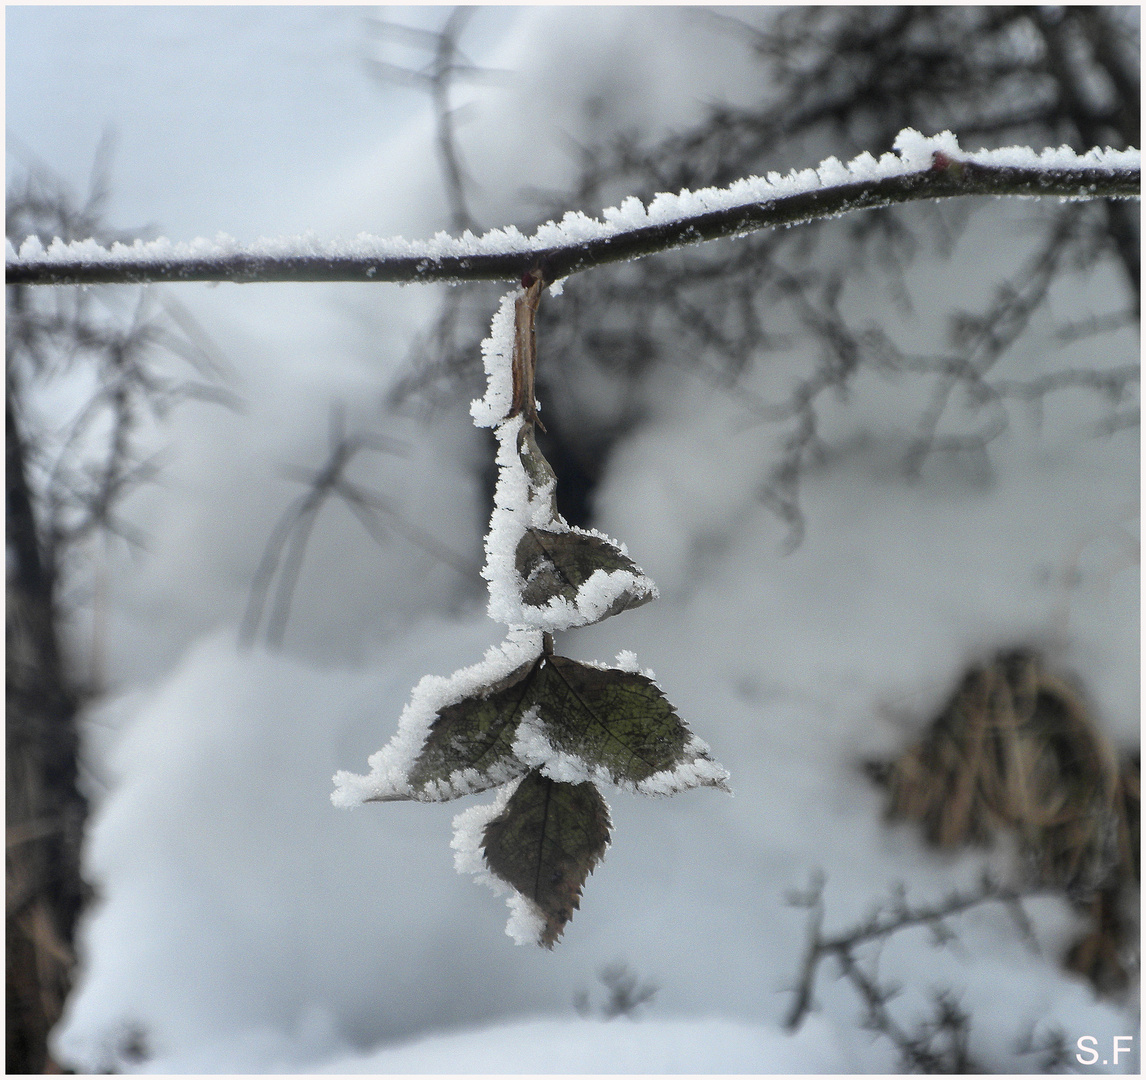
526 922
390 767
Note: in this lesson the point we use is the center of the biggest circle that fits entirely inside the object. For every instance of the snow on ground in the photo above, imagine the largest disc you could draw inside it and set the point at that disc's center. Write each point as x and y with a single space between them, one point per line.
245 924
240 902
651 1046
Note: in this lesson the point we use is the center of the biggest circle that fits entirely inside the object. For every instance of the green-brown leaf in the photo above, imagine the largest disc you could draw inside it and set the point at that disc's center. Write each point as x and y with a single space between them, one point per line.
559 563
546 842
617 719
477 733
605 718
537 467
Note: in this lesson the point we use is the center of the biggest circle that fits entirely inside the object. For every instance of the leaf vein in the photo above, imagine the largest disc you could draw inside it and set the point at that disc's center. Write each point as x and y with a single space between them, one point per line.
594 718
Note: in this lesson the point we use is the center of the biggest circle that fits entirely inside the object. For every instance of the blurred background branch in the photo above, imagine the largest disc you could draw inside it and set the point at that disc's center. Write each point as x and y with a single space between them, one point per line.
118 364
447 64
841 80
378 515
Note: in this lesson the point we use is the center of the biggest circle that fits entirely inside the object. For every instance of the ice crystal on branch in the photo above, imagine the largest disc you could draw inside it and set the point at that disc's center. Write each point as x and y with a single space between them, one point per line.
578 242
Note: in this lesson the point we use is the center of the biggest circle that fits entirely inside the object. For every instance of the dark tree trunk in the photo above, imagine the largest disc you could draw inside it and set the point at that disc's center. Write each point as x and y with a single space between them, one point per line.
45 810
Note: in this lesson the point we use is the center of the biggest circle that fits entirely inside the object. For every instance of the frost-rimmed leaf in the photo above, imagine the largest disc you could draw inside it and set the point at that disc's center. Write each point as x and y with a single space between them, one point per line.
413 765
566 576
585 570
582 592
575 581
470 742
519 709
613 724
544 842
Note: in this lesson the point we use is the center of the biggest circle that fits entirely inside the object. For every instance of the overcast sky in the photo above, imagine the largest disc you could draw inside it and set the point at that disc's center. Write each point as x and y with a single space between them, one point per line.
193 92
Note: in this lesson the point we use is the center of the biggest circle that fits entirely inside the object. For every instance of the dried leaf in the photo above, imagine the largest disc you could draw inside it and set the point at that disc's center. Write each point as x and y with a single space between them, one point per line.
537 468
546 842
476 734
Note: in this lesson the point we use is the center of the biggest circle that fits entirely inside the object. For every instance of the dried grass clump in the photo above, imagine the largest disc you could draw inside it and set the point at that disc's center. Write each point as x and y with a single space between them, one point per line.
1015 749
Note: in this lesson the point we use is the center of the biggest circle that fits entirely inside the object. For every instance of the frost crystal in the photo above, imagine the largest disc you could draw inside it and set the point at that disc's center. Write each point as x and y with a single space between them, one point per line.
390 767
532 746
526 922
497 356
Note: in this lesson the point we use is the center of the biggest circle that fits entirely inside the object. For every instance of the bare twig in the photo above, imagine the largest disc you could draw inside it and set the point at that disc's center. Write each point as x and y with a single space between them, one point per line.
918 1049
1051 1045
989 336
292 531
447 63
626 993
525 351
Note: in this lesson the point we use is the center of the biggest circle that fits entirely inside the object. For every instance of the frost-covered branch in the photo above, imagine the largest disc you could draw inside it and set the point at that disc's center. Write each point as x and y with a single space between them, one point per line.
924 168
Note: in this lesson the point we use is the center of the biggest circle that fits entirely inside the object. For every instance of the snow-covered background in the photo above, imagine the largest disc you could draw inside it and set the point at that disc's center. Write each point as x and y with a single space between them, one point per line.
243 923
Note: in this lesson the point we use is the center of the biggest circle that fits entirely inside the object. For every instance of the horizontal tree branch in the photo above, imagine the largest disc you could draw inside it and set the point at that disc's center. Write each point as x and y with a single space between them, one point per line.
579 243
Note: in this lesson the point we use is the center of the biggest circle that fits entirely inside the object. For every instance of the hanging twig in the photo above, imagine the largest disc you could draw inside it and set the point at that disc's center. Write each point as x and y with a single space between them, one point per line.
525 349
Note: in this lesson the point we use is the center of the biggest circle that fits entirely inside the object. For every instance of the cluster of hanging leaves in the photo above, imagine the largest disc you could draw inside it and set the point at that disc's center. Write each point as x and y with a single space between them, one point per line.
618 723
552 727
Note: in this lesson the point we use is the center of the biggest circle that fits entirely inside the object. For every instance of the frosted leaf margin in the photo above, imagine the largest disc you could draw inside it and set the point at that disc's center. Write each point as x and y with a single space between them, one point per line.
390 767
